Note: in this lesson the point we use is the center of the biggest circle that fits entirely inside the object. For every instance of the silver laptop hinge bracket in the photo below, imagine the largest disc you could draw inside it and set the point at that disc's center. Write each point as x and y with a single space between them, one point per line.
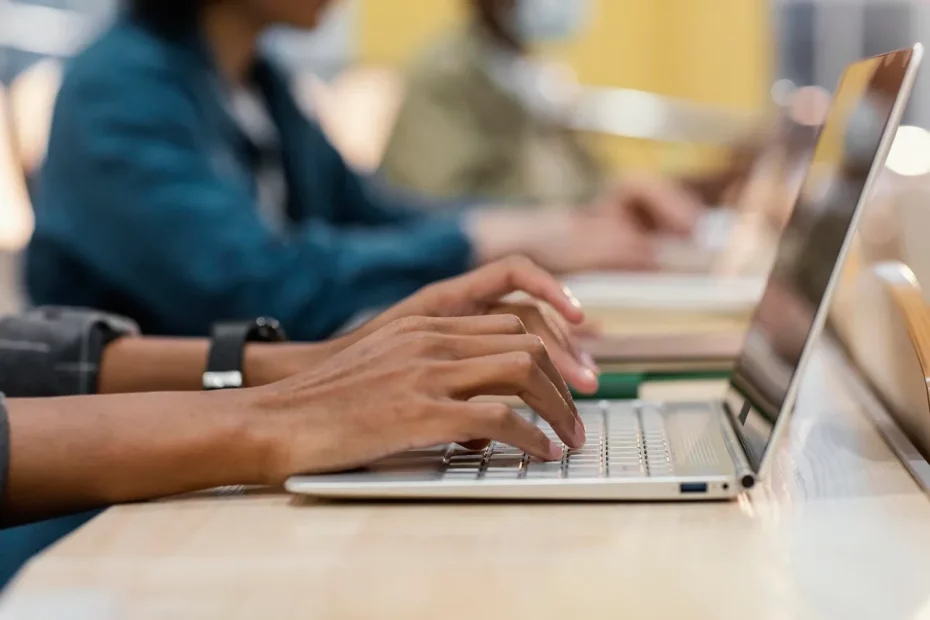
744 472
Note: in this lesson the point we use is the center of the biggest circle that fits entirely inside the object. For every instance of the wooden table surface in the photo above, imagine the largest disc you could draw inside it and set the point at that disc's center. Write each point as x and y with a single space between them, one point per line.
841 530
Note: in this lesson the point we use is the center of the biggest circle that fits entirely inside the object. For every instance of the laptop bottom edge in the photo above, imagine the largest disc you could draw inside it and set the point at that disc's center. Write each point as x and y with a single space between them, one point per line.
677 488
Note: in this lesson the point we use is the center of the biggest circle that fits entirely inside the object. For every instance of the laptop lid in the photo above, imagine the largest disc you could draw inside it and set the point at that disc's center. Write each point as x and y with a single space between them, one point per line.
850 154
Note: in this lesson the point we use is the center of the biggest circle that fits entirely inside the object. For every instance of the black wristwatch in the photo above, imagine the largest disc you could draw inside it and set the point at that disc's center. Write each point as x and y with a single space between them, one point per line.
224 364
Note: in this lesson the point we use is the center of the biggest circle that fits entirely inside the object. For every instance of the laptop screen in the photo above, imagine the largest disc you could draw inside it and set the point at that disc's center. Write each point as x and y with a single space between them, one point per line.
810 247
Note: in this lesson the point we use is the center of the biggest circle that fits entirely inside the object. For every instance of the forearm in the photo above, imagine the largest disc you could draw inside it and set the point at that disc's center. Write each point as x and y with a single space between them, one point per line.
136 364
496 234
76 453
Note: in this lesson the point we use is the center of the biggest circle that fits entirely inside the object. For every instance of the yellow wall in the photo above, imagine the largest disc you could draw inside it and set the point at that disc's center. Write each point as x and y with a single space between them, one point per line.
675 47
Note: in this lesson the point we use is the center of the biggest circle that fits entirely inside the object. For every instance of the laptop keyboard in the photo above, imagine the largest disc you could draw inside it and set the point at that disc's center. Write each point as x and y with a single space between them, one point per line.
624 440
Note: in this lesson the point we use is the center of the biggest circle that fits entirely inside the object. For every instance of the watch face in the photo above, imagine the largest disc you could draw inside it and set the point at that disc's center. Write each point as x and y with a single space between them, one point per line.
268 330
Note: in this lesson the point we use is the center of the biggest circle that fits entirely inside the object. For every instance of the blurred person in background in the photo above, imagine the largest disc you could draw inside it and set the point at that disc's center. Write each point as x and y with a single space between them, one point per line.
483 118
183 186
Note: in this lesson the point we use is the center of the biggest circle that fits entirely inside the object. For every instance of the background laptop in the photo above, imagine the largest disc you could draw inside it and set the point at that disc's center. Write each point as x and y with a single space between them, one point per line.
638 450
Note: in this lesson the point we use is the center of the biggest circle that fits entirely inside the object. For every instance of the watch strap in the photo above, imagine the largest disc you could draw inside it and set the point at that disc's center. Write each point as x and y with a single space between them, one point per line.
225 360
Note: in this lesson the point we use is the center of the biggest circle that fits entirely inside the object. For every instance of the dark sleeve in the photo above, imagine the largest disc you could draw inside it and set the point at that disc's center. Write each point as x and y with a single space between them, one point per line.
55 351
139 193
4 451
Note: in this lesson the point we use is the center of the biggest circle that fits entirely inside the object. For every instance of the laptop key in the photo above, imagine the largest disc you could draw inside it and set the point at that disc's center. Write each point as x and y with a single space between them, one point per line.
625 457
585 472
626 467
509 475
614 449
585 459
592 450
460 475
540 469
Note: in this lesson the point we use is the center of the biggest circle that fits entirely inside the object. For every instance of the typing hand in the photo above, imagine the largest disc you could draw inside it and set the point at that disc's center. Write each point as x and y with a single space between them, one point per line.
546 309
595 240
652 204
409 385
623 230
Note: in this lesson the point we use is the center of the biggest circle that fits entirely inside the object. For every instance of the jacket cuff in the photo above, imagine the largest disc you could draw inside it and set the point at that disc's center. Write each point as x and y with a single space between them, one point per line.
53 351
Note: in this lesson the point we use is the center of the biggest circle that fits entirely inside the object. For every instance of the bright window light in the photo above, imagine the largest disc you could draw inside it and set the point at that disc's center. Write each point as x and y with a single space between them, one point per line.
910 152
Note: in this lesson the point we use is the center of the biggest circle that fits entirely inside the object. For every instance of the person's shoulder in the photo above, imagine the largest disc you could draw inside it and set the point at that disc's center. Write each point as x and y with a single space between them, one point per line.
124 54
444 63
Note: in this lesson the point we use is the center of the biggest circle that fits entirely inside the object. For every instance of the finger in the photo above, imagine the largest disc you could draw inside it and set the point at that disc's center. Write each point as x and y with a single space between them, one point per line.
518 273
514 374
561 330
543 318
501 423
482 325
472 347
476 445
563 354
576 366
671 207
589 329
573 334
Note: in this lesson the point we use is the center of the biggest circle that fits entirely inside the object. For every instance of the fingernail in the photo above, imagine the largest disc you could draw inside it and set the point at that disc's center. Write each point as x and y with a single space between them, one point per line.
589 375
588 361
571 297
555 451
580 436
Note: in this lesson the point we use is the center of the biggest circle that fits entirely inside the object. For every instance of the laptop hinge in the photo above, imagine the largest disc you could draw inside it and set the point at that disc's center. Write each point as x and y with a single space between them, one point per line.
744 472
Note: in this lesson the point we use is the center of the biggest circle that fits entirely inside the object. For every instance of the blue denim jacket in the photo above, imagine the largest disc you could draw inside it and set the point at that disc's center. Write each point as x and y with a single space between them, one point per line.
146 205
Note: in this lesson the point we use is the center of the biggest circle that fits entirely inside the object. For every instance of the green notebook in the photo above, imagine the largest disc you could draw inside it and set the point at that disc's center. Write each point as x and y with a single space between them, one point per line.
626 385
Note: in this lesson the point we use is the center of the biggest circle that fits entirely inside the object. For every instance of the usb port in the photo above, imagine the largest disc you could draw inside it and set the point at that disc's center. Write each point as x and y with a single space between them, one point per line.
694 487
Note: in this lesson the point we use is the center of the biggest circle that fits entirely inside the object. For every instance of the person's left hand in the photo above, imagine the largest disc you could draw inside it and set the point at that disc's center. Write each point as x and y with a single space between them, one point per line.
546 308
653 204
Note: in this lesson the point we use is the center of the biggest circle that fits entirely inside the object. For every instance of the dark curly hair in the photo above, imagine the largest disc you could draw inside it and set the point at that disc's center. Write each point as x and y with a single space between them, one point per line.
168 17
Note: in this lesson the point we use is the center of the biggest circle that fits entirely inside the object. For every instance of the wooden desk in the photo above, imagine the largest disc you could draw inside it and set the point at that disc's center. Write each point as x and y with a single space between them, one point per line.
840 531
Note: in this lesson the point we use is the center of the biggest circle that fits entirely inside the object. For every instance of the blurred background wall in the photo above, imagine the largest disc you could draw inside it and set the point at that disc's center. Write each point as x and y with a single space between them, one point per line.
817 38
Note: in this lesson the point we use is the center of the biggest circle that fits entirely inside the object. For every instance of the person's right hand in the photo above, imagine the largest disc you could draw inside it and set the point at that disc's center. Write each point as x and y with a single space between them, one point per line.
409 385
594 240
652 204
563 239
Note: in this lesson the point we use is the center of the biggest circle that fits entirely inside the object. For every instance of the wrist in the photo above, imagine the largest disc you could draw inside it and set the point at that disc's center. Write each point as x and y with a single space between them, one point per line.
497 234
251 449
115 364
266 363
538 235
134 364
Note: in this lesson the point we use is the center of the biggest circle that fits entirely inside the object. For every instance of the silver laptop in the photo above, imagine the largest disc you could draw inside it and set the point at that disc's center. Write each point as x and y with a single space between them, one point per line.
708 450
